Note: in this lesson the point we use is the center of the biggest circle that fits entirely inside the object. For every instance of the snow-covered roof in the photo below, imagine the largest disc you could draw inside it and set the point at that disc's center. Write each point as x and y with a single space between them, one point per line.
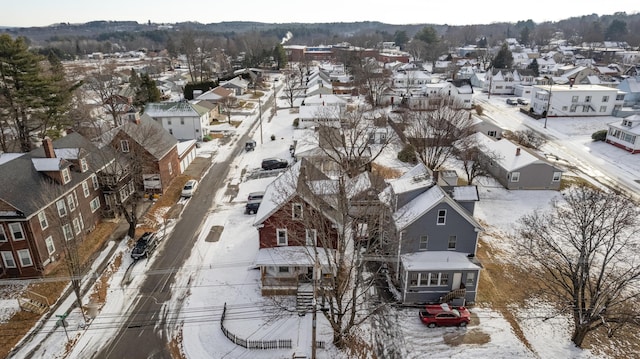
292 256
185 145
6 157
437 260
326 99
417 177
67 153
417 207
47 164
509 157
278 192
465 193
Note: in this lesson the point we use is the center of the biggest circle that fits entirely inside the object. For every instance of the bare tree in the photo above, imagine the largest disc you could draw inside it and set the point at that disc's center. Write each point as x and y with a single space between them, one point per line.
476 160
434 131
585 253
291 88
527 138
372 79
106 84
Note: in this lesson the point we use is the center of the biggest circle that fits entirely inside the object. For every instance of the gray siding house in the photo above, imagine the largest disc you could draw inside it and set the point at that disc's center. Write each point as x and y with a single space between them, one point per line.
516 167
437 240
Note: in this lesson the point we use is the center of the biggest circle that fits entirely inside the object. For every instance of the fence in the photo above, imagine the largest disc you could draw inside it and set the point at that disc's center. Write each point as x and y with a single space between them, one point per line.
253 344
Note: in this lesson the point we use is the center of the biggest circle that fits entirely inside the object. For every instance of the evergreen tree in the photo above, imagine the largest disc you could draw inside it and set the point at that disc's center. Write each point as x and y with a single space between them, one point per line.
428 34
147 92
57 101
524 35
616 30
534 66
400 38
280 56
22 93
503 59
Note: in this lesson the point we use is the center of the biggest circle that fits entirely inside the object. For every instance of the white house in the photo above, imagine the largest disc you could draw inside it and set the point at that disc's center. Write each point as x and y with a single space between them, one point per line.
576 100
625 133
184 120
503 82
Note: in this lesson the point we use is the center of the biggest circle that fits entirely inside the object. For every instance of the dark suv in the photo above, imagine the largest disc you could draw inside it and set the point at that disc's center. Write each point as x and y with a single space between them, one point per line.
144 246
274 163
252 206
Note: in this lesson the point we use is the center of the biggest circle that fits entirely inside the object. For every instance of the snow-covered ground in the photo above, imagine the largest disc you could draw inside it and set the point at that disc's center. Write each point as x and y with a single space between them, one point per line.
222 272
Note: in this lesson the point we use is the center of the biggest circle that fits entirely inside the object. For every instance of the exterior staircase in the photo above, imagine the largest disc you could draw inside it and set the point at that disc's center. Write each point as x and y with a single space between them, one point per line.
33 302
456 293
304 299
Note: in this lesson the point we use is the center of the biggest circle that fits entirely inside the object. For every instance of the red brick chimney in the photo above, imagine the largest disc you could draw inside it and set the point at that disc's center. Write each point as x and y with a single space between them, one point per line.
47 144
518 151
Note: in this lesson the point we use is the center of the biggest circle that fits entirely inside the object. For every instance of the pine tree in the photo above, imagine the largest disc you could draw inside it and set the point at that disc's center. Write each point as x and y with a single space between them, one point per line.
147 92
534 66
503 59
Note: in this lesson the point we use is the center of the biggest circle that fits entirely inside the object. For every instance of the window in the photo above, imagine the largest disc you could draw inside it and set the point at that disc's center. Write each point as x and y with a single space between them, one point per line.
433 278
424 242
603 108
25 258
182 121
296 212
556 176
424 279
85 189
81 220
95 204
605 98
170 168
16 231
574 99
124 146
452 242
65 175
94 180
76 226
283 269
573 108
442 217
444 279
62 208
83 165
50 247
281 235
68 234
585 108
71 202
42 218
311 237
124 193
491 133
413 279
471 278
3 236
587 99
168 121
7 258
515 176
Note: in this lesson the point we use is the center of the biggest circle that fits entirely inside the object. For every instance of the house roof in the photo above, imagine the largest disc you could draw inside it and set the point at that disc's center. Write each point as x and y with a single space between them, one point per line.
437 260
416 208
293 255
161 143
327 99
21 183
174 109
216 94
506 152
417 177
465 193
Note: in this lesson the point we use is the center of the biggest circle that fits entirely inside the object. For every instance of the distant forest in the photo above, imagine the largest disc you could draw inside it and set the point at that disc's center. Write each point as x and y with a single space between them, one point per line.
70 41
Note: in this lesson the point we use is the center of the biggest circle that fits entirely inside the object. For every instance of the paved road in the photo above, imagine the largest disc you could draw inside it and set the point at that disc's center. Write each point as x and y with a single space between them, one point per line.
143 335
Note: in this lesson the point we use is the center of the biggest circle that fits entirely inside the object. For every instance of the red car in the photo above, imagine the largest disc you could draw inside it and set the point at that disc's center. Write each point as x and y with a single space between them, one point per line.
444 315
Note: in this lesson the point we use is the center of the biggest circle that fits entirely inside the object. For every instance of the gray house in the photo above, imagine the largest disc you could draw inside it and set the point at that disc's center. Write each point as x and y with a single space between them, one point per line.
436 245
516 167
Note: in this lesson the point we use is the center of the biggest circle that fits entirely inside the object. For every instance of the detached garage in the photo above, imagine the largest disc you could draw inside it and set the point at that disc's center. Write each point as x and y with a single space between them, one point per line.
186 153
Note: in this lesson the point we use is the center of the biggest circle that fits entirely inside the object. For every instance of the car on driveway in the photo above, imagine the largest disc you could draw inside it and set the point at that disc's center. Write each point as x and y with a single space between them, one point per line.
441 315
523 101
252 206
512 101
274 163
144 246
189 188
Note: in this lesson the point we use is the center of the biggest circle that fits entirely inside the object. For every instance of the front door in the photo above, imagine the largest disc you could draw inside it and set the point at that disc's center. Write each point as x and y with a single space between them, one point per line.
457 278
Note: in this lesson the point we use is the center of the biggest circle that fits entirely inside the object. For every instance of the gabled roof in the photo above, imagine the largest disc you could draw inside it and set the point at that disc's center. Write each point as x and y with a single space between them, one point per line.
437 260
286 186
511 157
21 183
419 206
292 255
174 109
161 143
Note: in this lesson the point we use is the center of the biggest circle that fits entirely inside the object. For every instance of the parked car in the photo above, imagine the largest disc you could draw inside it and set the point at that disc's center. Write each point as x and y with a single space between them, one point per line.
512 101
274 163
255 195
189 188
440 315
250 145
252 206
144 246
522 101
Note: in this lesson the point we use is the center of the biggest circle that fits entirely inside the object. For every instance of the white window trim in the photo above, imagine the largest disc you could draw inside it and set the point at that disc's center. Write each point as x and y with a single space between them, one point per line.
286 237
293 210
313 240
21 258
515 177
556 179
11 225
83 165
94 180
66 229
76 226
4 234
444 217
62 208
472 276
85 189
455 243
66 177
4 259
421 242
42 217
51 248
124 146
72 203
93 204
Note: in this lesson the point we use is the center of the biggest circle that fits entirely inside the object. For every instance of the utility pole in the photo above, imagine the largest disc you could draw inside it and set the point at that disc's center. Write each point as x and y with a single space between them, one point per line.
260 111
314 343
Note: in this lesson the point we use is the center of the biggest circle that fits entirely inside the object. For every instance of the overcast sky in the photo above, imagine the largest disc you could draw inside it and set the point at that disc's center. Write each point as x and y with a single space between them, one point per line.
461 12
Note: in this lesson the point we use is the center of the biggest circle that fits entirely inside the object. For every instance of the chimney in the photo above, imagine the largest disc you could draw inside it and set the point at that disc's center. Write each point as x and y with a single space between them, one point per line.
47 144
518 151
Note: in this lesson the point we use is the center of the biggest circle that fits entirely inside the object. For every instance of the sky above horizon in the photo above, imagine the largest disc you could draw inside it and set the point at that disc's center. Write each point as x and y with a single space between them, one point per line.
466 12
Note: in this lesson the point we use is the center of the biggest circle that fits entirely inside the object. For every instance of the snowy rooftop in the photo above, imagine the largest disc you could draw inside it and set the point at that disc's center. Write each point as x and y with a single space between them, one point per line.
413 210
465 193
291 256
509 157
440 260
47 164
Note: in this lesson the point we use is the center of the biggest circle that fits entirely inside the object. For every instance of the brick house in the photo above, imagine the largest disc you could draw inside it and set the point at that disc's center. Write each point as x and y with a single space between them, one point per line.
48 197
